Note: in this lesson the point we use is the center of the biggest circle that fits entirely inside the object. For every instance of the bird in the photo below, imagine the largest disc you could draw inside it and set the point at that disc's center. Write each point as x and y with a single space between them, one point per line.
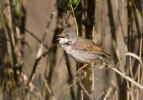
81 49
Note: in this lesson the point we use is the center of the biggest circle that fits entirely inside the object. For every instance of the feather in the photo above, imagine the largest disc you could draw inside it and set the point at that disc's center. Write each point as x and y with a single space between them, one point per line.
90 47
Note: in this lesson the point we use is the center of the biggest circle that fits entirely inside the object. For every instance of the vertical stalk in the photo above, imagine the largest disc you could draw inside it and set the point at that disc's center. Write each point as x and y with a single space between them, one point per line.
89 31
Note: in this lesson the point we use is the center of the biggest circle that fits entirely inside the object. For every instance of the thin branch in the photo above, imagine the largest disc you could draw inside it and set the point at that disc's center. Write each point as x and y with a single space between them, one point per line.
139 68
98 98
37 95
35 66
74 17
76 5
70 76
45 34
67 89
34 37
107 94
115 94
135 56
128 78
121 25
134 2
12 49
46 84
85 91
101 83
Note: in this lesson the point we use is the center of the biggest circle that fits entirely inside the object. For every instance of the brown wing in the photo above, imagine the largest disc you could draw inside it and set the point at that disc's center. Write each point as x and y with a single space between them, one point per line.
89 46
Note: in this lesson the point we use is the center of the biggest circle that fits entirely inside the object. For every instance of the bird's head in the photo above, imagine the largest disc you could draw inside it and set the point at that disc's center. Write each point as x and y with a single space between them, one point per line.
67 37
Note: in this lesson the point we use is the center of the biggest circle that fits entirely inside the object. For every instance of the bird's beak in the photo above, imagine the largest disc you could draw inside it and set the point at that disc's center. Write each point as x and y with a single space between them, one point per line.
60 37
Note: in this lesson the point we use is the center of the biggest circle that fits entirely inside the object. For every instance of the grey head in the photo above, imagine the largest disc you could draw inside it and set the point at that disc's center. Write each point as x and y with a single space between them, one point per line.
67 37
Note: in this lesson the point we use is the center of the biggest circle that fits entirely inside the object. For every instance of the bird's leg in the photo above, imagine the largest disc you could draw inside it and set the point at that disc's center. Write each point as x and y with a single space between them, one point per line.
78 65
80 69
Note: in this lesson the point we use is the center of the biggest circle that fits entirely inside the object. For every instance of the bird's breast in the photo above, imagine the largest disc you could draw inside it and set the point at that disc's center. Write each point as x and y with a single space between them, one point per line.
82 56
67 48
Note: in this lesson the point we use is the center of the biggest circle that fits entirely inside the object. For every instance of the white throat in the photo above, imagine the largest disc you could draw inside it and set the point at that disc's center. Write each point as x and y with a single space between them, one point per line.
66 44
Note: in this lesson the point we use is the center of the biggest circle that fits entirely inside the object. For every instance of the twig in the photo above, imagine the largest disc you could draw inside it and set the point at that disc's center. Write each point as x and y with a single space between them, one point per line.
13 21
102 68
74 17
101 83
139 67
85 91
46 84
98 98
93 80
45 34
67 89
128 78
81 85
115 94
142 43
134 2
135 56
123 71
12 49
81 68
70 76
121 24
76 5
34 37
109 91
37 95
35 66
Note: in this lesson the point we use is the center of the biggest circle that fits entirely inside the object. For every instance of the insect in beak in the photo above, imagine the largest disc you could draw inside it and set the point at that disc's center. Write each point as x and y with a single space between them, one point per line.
60 37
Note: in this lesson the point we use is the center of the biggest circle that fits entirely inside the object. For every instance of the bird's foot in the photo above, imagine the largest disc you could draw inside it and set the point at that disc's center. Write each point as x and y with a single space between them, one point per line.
81 75
81 68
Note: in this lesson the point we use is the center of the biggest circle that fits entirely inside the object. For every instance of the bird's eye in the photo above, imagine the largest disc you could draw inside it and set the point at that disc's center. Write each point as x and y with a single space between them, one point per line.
67 35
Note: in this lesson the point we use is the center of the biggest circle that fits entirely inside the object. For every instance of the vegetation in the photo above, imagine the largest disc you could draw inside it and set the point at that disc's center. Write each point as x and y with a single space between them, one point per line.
34 67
